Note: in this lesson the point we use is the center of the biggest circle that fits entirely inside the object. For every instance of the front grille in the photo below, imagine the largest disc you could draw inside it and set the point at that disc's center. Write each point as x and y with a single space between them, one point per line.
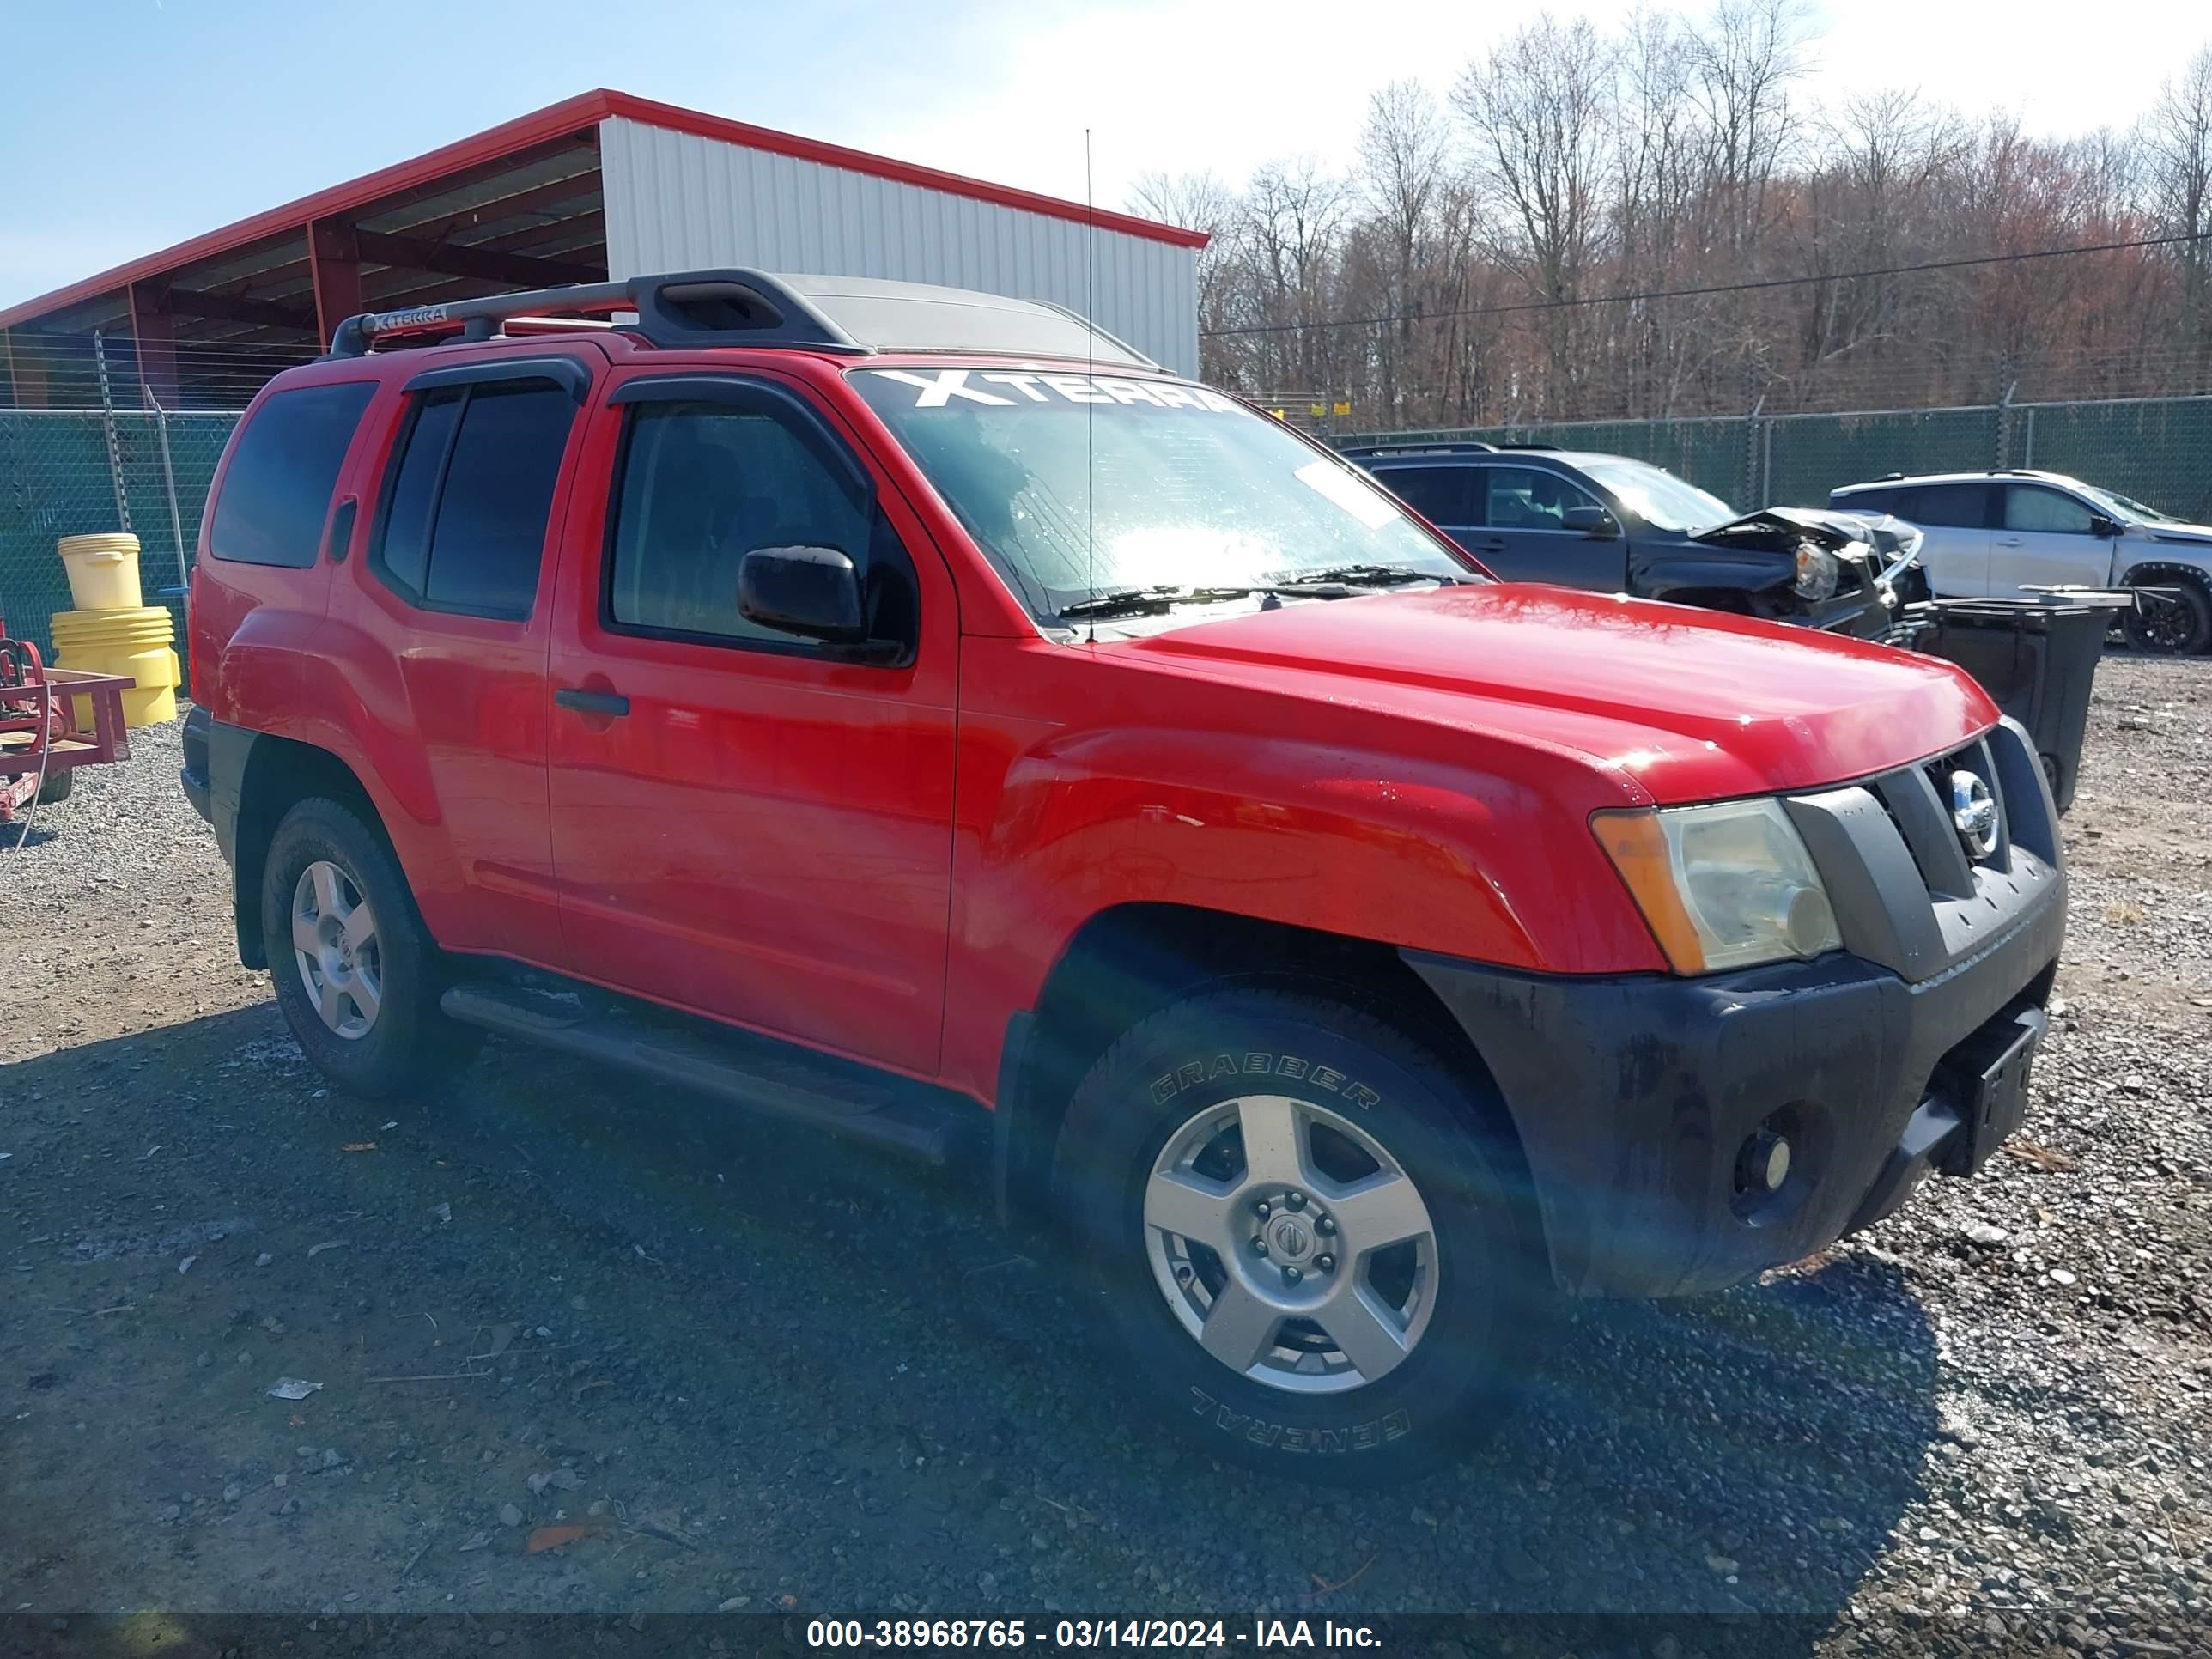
1907 891
1918 800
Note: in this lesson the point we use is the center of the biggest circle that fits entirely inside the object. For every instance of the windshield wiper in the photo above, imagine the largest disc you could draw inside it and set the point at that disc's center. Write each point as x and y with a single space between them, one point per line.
1360 575
1158 601
1338 582
1130 602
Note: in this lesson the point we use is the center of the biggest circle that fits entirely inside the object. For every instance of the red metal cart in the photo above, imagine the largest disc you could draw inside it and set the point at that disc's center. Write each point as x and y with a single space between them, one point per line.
42 744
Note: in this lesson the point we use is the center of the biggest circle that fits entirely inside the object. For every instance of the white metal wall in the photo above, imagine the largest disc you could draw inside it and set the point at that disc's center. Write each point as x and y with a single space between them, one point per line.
675 202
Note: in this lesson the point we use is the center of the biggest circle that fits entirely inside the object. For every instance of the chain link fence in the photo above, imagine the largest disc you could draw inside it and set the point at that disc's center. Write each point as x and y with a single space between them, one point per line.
2158 450
64 473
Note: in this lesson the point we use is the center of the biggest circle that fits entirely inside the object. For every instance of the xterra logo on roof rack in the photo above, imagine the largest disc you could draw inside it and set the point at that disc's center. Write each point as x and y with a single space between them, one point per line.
413 317
937 387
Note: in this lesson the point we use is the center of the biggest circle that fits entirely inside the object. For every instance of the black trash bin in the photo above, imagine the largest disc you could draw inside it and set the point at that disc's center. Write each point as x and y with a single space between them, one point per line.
2038 660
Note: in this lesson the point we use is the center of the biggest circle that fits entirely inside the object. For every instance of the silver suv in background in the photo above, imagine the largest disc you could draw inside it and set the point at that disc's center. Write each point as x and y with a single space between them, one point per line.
1989 535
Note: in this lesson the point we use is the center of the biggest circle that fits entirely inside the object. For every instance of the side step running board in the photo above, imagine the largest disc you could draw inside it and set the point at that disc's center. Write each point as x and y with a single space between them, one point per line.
909 1119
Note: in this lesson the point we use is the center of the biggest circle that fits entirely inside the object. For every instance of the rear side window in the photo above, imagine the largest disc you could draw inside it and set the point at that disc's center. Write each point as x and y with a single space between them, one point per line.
276 493
469 500
1960 506
1439 494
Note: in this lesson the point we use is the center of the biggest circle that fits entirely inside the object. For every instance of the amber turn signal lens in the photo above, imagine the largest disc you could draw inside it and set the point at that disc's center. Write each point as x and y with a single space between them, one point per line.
1637 847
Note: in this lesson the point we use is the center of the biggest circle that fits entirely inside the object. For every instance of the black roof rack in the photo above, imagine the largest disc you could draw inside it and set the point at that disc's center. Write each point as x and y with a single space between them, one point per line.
688 308
1552 448
1465 446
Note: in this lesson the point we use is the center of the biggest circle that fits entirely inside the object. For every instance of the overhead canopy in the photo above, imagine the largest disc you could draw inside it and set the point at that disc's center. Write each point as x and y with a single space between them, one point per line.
202 325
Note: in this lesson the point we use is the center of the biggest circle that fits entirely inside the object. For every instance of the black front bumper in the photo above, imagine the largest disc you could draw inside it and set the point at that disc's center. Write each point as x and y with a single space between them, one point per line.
1633 1096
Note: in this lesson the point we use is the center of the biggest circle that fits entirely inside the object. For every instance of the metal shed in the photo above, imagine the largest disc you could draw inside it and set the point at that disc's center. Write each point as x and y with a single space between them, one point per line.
603 186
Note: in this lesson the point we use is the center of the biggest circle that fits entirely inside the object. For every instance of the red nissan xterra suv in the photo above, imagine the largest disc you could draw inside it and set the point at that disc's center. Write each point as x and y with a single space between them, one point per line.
912 710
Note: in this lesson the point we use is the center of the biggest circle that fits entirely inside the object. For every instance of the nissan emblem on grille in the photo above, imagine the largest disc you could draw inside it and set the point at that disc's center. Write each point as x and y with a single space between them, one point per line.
1973 814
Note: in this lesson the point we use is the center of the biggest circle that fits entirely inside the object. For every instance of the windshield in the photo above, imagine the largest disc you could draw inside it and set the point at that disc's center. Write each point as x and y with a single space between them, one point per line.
2124 508
1658 497
1192 491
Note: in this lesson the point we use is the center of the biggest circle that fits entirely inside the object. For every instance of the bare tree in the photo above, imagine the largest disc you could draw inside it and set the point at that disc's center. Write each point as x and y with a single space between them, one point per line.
1290 232
1747 56
1871 206
1200 201
1538 110
1405 176
2177 145
1653 221
1658 239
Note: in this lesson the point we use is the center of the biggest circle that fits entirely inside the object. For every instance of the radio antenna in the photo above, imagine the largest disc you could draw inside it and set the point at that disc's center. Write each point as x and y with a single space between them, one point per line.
1091 384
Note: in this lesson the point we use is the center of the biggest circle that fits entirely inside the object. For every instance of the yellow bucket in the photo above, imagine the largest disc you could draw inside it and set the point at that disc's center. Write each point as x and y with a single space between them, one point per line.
124 640
103 571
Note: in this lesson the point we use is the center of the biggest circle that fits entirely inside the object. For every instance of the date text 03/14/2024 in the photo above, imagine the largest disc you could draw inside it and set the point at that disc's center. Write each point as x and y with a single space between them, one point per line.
1203 1635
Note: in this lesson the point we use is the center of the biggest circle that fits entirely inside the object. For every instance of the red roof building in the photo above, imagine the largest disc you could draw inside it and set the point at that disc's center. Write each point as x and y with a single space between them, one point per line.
603 186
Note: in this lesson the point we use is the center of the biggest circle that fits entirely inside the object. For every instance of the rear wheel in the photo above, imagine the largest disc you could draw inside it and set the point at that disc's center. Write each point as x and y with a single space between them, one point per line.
357 975
56 785
1317 1252
2179 626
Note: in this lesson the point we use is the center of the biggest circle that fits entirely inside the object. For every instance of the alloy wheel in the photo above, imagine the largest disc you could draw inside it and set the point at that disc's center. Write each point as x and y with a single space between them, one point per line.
334 945
1290 1244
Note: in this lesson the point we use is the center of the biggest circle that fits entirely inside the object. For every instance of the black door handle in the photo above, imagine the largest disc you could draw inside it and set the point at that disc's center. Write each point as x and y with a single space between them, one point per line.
592 702
1495 545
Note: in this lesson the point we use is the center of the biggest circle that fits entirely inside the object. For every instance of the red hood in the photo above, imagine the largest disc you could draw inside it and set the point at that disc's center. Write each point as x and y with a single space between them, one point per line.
1690 704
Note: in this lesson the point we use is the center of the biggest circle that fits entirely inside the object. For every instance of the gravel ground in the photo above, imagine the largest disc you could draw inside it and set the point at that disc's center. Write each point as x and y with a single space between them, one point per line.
758 1371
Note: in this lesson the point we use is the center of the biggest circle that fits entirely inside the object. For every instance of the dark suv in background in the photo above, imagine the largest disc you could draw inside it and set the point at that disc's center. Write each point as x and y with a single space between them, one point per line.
1610 523
1578 519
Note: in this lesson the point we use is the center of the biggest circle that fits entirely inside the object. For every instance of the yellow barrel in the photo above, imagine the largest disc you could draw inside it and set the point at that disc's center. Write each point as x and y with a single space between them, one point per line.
123 640
103 570
136 623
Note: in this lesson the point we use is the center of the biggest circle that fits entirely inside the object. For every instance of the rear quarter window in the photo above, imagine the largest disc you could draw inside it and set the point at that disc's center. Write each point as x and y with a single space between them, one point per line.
1864 501
1441 495
277 491
1956 506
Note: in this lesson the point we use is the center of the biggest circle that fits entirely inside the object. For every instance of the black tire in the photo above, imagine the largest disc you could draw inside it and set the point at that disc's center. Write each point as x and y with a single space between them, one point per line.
56 787
409 1044
1492 1291
2179 627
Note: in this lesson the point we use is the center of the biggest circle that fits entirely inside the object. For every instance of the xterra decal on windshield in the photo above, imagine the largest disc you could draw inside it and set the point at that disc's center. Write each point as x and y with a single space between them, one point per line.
938 388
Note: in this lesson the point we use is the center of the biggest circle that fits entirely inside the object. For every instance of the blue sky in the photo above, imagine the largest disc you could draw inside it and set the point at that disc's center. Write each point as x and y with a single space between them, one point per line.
130 125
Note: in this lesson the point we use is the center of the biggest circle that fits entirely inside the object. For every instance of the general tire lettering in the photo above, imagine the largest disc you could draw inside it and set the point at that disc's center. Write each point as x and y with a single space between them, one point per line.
1193 1072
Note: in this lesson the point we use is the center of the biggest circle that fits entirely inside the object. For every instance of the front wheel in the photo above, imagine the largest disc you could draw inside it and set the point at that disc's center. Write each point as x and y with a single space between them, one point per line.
357 975
2178 626
1311 1233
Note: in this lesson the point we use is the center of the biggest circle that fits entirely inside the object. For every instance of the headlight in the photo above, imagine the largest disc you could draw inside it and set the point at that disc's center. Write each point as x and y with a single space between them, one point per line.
1723 886
1818 572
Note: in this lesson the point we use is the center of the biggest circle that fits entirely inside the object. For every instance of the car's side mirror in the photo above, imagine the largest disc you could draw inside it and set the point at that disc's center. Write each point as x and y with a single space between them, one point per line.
1590 520
812 592
2101 526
